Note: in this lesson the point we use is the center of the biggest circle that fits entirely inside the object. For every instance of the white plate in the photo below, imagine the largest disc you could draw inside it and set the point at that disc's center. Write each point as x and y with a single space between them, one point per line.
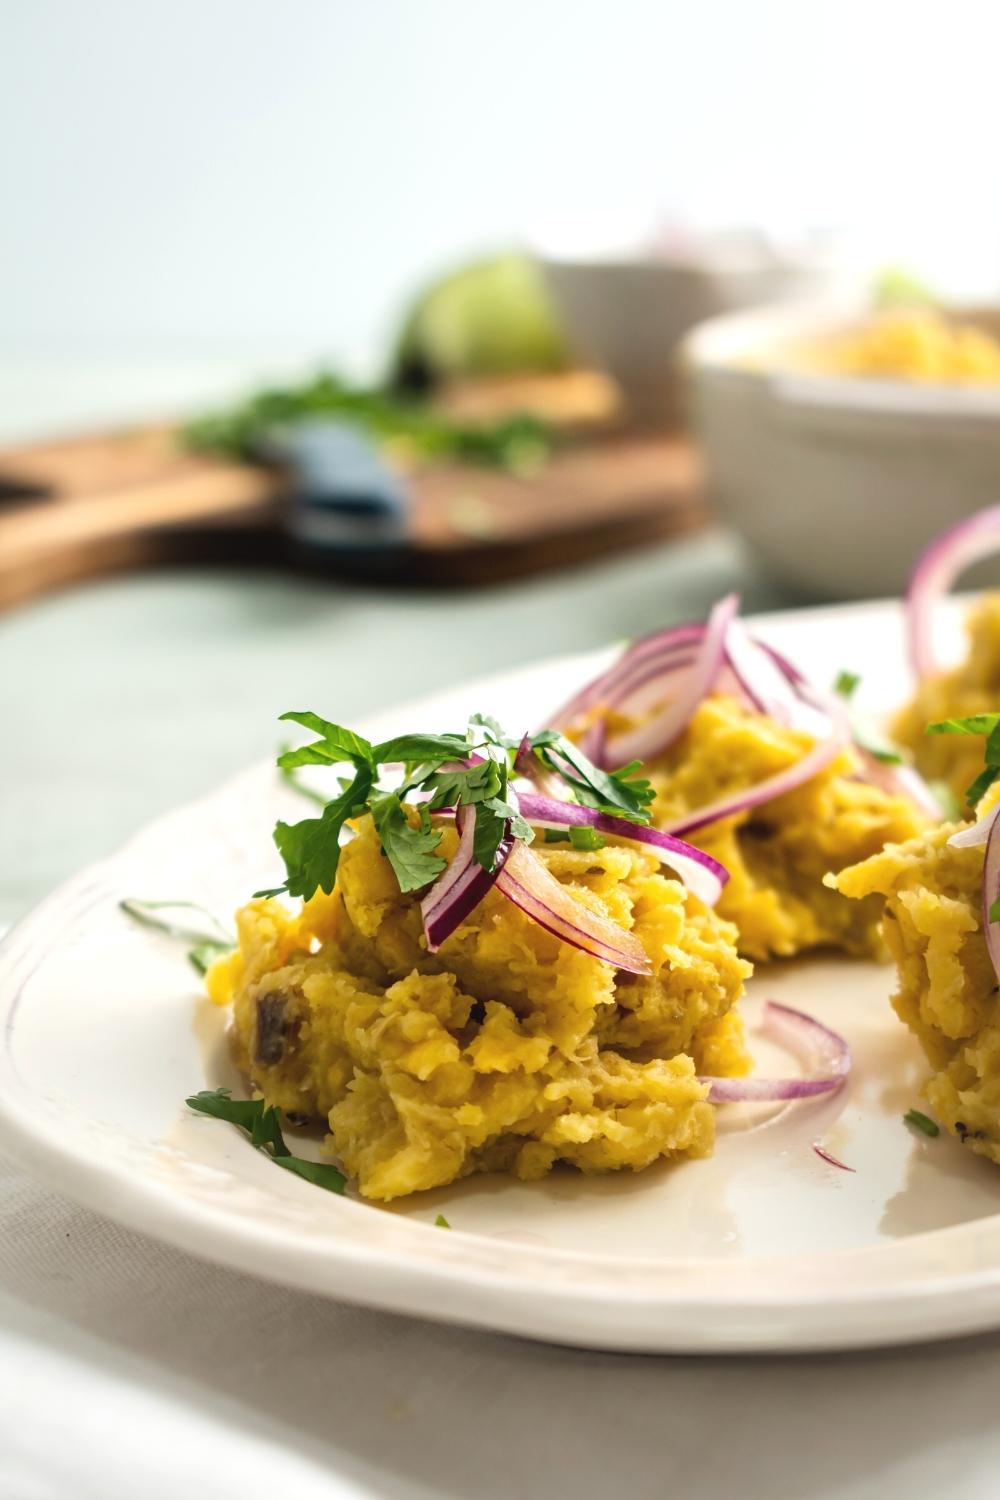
764 1247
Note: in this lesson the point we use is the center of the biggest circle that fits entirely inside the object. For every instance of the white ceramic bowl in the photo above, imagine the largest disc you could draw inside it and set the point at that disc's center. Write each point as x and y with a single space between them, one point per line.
838 483
628 315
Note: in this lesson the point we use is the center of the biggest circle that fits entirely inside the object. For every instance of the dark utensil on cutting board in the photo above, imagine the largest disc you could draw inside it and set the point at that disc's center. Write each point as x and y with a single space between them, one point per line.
328 499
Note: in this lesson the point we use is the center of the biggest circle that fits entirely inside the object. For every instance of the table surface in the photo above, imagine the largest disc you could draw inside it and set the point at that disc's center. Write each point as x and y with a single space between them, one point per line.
126 1366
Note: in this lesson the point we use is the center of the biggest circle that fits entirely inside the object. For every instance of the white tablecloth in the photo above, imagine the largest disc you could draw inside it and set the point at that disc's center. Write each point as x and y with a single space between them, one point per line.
129 1369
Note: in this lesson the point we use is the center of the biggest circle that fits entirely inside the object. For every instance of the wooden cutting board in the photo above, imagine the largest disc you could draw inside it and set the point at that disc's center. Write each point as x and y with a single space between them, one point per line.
89 506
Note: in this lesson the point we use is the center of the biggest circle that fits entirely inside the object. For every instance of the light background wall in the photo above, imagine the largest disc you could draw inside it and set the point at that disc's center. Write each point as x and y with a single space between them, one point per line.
200 190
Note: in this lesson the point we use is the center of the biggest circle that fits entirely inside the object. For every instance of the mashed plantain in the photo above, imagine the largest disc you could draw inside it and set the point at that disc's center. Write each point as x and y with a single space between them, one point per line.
971 688
917 344
778 854
946 989
507 1050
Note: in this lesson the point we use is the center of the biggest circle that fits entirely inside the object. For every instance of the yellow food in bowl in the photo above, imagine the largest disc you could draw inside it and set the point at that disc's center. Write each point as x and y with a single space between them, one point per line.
777 854
946 987
507 1050
916 345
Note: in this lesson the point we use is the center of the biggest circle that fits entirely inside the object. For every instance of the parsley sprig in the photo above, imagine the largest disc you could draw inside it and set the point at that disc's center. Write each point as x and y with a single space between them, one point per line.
261 1123
473 769
978 724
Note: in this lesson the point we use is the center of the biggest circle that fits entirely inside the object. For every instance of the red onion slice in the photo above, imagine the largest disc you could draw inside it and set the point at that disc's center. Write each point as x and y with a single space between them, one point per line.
703 875
662 729
660 643
955 550
459 889
526 882
991 890
828 1156
817 1047
775 688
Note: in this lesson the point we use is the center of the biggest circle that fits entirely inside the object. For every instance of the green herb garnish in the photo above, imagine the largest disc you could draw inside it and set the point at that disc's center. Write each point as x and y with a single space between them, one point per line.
580 838
447 770
518 442
441 1222
846 685
988 725
261 1123
210 939
922 1122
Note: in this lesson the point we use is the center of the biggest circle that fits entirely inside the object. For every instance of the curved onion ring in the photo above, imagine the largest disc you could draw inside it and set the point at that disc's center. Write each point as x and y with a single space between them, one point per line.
663 728
811 1041
955 550
978 834
526 882
703 875
991 890
459 889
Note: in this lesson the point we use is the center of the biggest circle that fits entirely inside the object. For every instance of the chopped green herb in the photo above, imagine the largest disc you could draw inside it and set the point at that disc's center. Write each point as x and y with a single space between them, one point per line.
210 938
244 431
410 851
448 770
994 912
580 838
441 1222
971 724
922 1122
621 793
846 684
988 725
261 1123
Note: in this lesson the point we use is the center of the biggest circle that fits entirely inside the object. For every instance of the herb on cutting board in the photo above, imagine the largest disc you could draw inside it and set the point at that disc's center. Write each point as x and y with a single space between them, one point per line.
410 426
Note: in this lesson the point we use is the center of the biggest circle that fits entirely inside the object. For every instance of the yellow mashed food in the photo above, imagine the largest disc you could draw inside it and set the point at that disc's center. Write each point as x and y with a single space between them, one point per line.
507 1050
971 688
777 854
946 989
914 345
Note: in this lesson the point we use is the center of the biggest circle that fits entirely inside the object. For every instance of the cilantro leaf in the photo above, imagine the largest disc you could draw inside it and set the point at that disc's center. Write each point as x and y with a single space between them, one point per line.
971 724
621 793
260 1121
989 725
409 850
410 748
470 770
321 1174
441 1222
335 745
311 849
846 684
